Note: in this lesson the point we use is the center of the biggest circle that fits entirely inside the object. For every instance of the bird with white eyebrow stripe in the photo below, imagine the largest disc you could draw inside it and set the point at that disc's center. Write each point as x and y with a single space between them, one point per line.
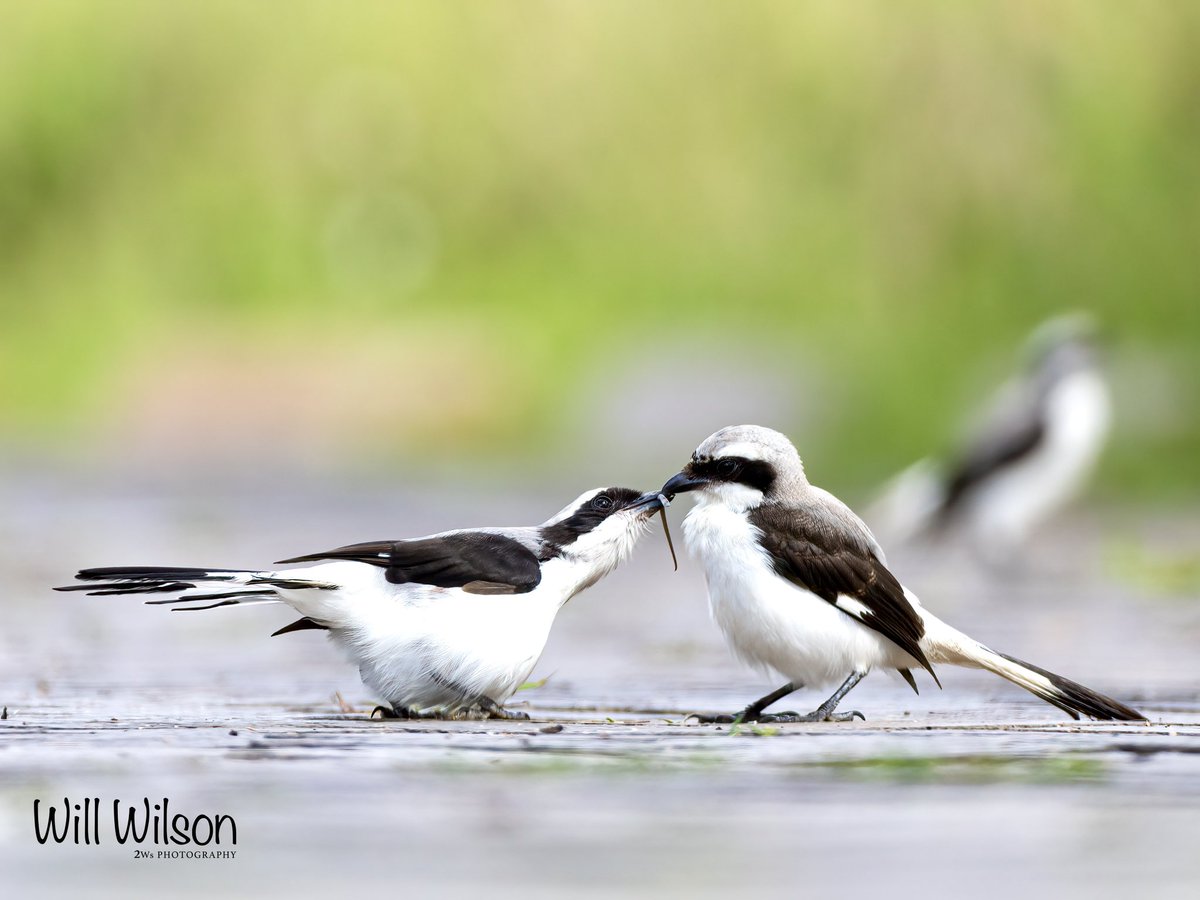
440 625
798 584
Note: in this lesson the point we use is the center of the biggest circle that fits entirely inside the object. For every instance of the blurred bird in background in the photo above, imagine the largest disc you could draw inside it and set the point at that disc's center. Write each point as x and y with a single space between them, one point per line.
1034 449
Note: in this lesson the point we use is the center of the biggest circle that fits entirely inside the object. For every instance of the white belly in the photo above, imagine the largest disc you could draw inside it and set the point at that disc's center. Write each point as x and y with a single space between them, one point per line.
1007 507
769 622
419 647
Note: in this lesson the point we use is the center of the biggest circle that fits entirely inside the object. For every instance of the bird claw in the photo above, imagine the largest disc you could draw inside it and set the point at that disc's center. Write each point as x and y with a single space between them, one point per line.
817 715
388 712
399 712
501 713
718 719
493 710
484 709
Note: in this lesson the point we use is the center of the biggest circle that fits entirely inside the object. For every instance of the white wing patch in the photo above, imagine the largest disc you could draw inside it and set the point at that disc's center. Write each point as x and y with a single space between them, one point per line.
854 607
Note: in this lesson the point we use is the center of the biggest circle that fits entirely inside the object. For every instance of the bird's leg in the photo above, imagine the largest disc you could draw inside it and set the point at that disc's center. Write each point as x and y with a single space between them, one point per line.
493 710
824 712
752 712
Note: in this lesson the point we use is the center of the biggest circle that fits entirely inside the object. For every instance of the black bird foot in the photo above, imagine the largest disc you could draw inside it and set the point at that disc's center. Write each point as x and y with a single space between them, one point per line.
400 712
817 715
748 715
507 714
751 713
493 710
823 713
484 709
388 712
718 719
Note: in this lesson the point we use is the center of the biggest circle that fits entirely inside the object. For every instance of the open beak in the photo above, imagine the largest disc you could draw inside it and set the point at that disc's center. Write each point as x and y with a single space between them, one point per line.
651 502
682 483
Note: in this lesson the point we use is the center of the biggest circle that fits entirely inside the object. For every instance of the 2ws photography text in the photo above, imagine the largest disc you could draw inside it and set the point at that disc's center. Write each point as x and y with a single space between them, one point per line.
136 823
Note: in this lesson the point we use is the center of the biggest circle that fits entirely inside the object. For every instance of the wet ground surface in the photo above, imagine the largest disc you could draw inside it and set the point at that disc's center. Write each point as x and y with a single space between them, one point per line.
608 789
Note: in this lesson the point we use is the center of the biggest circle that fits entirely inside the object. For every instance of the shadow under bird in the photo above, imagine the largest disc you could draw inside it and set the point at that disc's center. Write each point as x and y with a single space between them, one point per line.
453 622
798 584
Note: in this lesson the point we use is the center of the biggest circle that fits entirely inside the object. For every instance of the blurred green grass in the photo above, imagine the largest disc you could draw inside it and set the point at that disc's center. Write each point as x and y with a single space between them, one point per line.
896 193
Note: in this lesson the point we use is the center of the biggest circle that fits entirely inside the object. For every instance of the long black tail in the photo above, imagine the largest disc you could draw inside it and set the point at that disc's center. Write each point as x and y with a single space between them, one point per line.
947 644
1069 696
244 586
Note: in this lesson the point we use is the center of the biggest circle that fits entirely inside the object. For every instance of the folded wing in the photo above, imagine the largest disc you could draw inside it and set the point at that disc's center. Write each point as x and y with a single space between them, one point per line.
478 562
847 574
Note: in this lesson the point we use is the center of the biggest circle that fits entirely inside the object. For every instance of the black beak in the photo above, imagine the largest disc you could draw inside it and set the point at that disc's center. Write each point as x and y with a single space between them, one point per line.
652 502
682 483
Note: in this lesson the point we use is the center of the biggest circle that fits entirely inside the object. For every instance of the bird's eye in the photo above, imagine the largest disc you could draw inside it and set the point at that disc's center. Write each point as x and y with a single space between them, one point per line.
727 468
602 502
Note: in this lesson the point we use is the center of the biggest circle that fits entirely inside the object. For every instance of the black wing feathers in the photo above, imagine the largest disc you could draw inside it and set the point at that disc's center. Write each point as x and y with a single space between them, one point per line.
990 454
477 561
822 560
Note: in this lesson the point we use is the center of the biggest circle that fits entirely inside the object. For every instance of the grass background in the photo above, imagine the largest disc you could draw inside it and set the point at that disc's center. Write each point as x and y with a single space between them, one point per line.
429 229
